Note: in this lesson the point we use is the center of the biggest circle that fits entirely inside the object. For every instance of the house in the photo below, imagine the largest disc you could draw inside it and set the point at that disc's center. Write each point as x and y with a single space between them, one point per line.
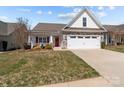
11 35
115 34
83 32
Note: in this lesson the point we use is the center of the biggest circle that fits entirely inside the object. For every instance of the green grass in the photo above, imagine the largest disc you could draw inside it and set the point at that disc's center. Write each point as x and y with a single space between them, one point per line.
37 68
119 48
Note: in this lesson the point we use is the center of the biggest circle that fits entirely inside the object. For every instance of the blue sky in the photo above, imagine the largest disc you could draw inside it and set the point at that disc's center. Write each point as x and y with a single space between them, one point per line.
60 14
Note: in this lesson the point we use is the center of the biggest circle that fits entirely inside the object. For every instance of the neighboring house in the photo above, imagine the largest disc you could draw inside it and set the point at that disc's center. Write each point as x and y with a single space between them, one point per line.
84 31
115 34
10 36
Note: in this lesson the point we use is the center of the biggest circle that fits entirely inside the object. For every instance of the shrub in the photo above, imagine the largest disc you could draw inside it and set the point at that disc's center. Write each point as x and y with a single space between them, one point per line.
26 46
48 46
118 43
102 45
42 46
37 47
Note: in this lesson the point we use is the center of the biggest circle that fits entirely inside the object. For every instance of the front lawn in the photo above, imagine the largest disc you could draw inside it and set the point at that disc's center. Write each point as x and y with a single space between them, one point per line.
37 68
119 48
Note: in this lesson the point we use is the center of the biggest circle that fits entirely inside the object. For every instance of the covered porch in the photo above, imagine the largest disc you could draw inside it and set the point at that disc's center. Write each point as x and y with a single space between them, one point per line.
43 39
116 38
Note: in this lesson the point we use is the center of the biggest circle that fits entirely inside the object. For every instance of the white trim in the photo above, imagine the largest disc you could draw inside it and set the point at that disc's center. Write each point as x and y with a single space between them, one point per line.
51 39
90 14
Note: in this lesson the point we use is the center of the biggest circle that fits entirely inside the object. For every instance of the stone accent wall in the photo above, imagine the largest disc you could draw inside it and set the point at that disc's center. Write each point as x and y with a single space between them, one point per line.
64 42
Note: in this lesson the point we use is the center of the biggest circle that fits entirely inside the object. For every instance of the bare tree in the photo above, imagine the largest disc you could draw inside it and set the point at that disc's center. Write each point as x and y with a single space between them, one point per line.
22 27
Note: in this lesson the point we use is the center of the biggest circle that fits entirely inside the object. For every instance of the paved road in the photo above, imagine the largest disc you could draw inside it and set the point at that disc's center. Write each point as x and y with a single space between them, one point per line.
109 64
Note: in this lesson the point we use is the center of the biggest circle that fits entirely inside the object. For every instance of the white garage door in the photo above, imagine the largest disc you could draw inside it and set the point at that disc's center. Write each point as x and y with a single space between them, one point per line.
84 42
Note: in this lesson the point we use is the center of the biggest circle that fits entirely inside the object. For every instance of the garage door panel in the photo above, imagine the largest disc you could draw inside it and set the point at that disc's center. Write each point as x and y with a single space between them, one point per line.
85 42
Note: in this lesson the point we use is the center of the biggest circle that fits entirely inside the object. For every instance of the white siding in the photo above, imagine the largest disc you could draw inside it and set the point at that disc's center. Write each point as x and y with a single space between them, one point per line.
90 22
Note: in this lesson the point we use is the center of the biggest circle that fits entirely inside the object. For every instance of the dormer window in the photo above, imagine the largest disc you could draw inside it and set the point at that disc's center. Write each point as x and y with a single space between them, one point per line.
84 21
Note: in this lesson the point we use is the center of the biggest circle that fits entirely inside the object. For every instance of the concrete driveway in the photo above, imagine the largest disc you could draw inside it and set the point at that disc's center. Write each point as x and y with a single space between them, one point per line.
109 64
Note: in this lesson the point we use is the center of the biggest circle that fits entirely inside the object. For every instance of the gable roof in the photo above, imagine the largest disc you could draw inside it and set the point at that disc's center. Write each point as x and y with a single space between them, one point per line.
89 13
11 27
3 28
48 27
8 28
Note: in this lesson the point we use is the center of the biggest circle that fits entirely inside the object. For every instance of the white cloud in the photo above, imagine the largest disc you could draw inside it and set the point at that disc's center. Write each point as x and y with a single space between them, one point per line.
39 12
76 10
111 7
66 15
70 14
24 10
50 12
100 8
102 14
4 18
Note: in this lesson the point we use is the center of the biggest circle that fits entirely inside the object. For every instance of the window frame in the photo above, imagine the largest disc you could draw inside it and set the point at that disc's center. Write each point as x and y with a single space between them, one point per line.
94 37
87 37
43 40
84 22
80 37
72 37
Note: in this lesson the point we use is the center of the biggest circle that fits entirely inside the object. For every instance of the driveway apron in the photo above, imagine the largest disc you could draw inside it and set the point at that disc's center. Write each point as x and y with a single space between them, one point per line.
109 64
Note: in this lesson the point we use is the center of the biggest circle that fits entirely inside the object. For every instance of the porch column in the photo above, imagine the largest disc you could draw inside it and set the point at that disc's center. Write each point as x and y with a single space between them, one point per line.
31 42
106 39
29 39
51 39
32 45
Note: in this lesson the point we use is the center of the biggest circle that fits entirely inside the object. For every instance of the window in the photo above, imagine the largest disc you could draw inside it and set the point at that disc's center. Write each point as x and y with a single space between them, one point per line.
94 37
72 36
36 39
80 37
40 40
109 39
84 21
87 37
44 40
48 39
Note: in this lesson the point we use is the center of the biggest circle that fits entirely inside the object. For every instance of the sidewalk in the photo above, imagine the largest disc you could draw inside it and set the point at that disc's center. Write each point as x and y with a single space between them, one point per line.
94 82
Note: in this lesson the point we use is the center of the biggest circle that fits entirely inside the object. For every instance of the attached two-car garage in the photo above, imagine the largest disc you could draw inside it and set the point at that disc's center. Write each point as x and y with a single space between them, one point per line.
83 41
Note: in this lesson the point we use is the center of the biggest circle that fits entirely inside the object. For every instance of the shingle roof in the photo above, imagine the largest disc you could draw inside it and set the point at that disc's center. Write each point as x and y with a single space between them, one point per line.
120 27
48 27
114 27
11 27
7 28
3 28
45 27
110 27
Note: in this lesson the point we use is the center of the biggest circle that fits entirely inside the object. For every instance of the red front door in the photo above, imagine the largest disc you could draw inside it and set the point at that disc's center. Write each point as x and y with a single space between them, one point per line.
56 41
